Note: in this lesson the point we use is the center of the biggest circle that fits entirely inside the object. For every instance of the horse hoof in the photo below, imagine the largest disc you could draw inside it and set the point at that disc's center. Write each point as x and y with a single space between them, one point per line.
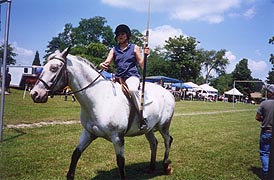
169 170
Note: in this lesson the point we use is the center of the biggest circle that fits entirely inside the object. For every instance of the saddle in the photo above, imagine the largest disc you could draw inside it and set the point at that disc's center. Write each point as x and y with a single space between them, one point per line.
133 108
126 92
125 89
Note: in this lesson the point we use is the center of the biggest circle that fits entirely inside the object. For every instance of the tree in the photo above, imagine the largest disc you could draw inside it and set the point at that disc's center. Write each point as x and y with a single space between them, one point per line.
271 59
270 77
36 61
93 30
10 54
223 83
96 52
157 65
61 42
257 86
213 61
242 72
137 37
181 51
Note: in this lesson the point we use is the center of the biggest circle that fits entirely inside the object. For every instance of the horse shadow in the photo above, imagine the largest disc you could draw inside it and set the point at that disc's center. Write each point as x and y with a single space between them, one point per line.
133 172
18 133
257 171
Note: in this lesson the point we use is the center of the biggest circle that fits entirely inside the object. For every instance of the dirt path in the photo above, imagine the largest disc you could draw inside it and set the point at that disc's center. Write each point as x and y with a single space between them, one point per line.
40 124
212 112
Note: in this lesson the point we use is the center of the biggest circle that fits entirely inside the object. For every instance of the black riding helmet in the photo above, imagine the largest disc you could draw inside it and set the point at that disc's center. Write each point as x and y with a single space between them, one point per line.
122 28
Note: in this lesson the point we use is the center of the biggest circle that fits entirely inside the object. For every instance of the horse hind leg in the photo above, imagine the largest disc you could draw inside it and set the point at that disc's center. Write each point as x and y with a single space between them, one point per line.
153 148
164 130
85 141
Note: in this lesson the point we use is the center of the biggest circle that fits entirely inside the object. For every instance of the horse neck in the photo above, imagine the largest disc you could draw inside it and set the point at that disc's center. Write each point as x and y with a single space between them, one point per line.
80 74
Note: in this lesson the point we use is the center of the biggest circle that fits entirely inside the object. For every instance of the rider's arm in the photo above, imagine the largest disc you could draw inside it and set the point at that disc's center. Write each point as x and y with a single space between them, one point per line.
138 55
105 65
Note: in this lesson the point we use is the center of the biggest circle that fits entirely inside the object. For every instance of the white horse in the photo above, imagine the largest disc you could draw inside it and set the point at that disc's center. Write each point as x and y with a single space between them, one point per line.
105 110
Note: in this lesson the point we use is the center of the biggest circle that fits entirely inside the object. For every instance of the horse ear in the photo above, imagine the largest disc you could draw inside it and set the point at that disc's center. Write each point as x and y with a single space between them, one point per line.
65 52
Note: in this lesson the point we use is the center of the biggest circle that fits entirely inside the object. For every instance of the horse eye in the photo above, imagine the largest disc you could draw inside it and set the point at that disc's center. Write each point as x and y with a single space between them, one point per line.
53 68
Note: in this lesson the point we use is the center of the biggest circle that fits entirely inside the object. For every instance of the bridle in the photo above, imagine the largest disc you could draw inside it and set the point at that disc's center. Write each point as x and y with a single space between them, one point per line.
63 72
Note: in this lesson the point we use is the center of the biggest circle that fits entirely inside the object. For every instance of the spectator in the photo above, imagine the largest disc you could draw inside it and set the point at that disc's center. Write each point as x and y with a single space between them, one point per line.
67 90
265 116
7 82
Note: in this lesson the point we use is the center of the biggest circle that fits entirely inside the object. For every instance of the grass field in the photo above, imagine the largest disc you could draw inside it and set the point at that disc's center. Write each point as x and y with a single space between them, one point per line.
211 141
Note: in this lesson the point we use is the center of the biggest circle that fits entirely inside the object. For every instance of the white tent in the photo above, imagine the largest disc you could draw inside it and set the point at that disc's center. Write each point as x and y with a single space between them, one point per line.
234 92
208 92
208 88
193 85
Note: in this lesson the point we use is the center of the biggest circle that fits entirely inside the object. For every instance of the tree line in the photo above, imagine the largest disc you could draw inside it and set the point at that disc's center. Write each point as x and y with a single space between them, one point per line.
179 58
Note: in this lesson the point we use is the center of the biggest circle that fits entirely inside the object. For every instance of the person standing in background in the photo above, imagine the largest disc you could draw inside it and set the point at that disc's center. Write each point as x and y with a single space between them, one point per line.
265 116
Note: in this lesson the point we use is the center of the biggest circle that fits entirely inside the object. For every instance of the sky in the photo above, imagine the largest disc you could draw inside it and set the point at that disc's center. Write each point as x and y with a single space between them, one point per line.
241 27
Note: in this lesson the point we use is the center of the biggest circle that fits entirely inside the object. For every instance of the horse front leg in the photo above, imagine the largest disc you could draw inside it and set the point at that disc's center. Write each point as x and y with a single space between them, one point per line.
153 148
118 142
85 140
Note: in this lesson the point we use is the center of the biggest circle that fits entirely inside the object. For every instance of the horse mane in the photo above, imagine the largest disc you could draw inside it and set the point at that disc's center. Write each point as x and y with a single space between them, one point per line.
85 61
57 53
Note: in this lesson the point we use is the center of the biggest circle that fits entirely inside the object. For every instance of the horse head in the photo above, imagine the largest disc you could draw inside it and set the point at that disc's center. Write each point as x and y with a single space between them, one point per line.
53 77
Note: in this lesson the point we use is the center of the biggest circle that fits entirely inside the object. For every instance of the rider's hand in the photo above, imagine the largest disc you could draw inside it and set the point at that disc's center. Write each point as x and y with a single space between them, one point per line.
146 50
104 65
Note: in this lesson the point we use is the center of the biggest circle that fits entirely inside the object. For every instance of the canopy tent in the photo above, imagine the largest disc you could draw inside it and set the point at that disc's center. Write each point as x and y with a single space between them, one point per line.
193 85
181 85
208 92
234 92
256 95
162 79
208 88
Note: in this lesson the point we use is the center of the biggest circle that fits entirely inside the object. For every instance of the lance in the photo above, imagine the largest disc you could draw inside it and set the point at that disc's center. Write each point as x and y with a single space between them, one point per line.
145 64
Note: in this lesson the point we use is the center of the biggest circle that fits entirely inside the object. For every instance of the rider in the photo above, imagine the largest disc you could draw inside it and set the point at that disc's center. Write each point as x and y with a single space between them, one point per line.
126 57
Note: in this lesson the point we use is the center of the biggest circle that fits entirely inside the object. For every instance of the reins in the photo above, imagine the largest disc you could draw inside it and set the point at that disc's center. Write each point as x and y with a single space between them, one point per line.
61 71
73 92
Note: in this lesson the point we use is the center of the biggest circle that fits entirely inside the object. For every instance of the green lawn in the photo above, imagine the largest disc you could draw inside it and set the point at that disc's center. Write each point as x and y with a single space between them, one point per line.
212 140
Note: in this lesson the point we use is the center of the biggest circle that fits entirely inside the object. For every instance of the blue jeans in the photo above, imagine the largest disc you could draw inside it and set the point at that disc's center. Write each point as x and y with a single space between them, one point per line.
265 140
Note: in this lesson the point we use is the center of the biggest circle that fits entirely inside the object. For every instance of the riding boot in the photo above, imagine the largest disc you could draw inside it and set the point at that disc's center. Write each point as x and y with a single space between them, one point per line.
136 99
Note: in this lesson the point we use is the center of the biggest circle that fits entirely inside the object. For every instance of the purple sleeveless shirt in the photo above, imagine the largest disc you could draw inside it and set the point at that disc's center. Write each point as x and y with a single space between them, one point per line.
125 62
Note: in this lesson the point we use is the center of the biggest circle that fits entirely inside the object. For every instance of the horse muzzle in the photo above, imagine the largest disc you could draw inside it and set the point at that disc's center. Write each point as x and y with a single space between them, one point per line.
39 95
